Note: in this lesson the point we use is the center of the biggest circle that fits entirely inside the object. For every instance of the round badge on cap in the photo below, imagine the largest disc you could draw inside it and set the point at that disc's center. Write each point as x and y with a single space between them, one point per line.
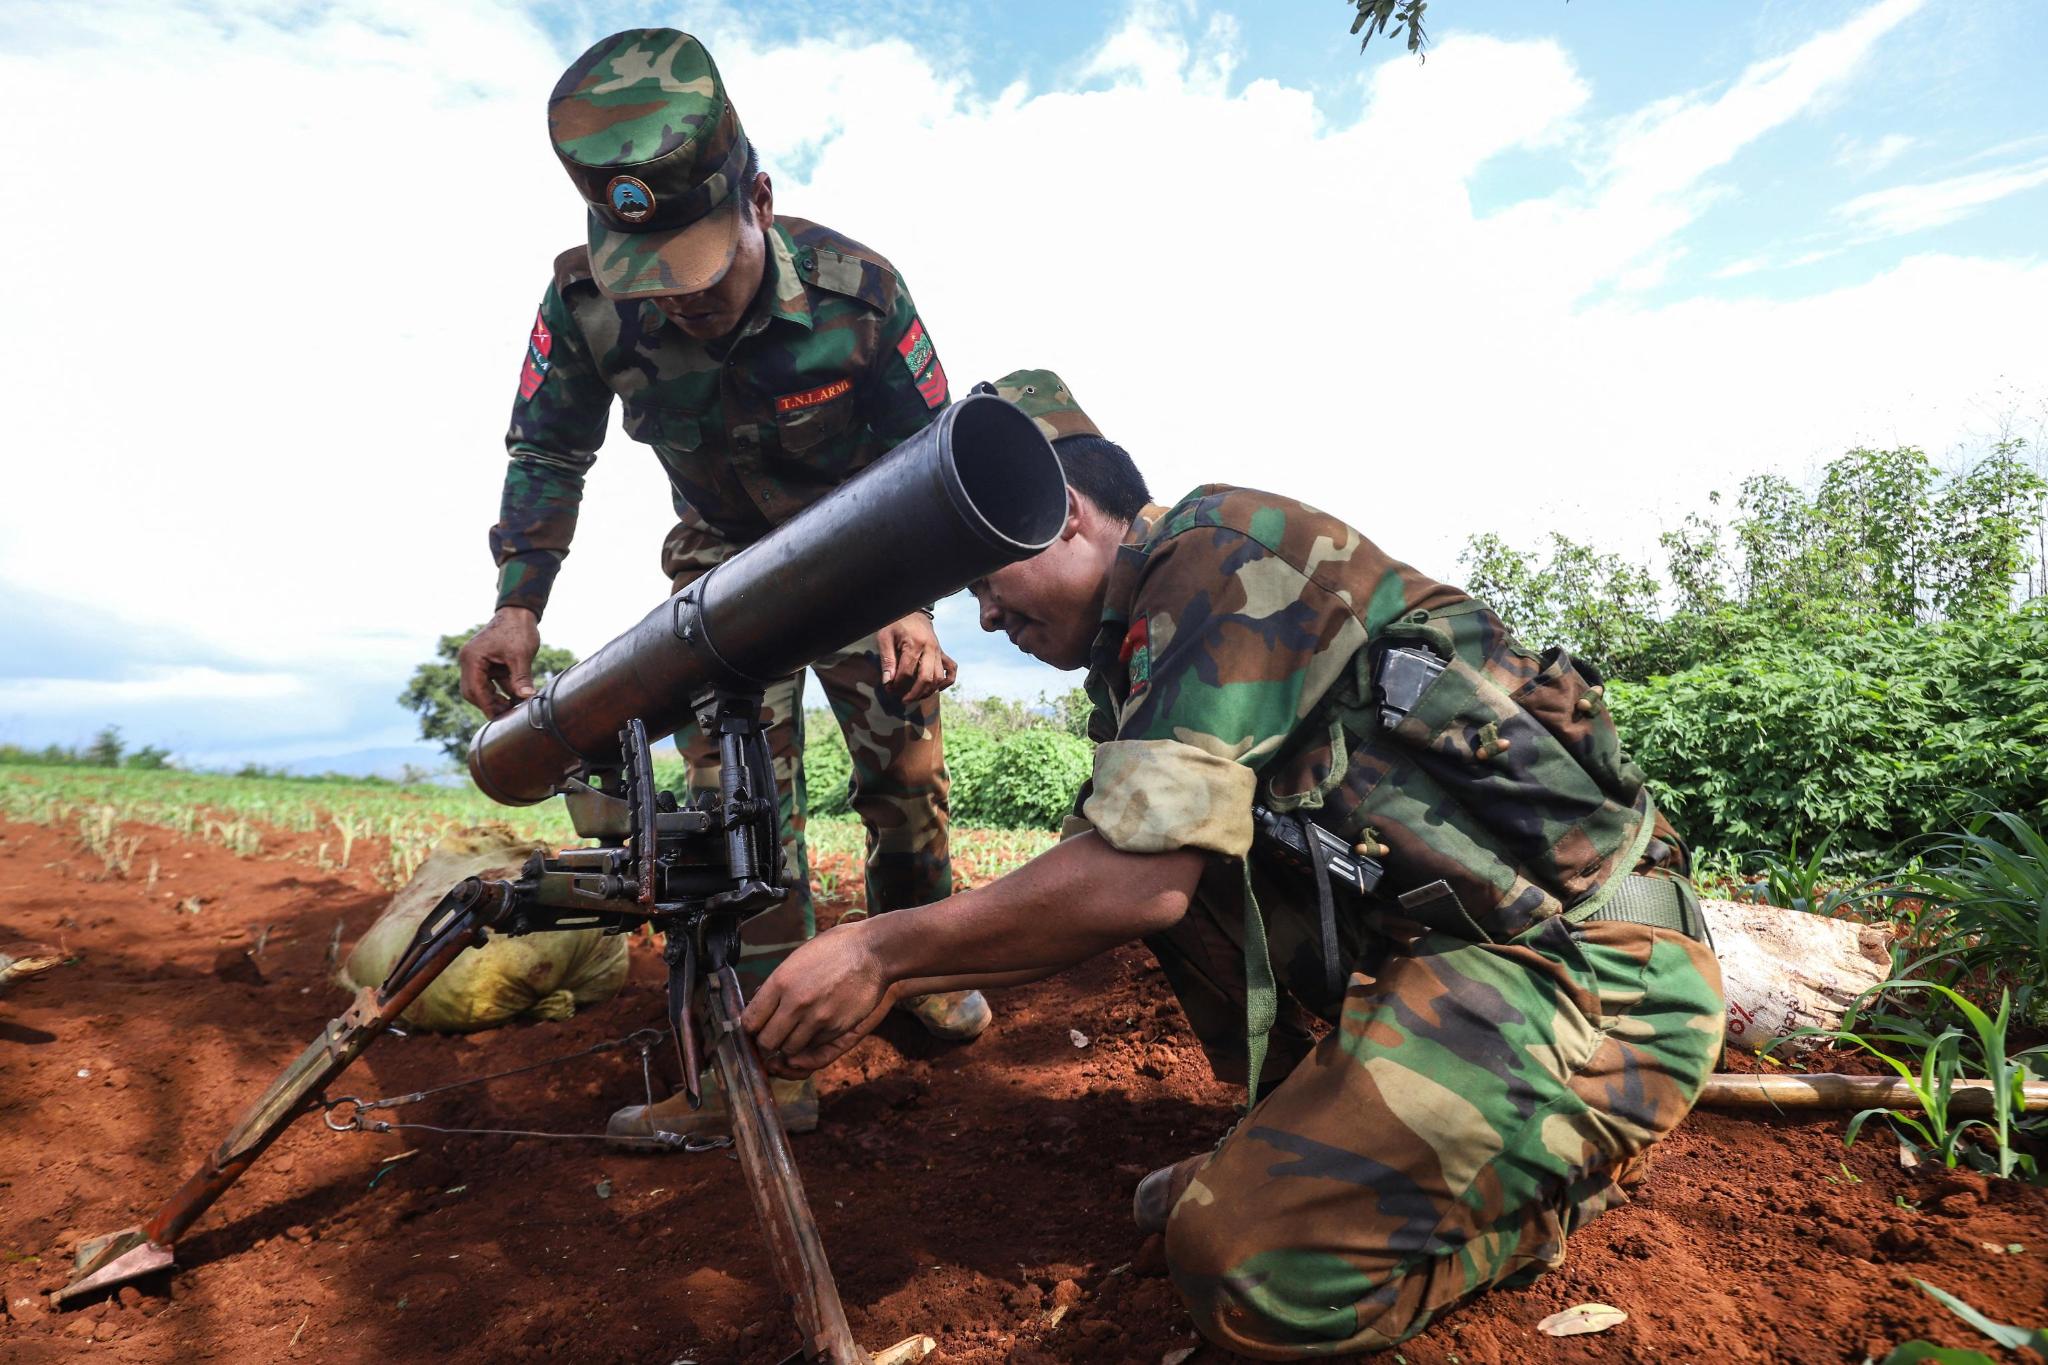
630 198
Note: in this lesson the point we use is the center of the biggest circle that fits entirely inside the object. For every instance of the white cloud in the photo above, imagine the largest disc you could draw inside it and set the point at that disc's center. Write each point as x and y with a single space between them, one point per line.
152 687
257 390
1867 156
1937 203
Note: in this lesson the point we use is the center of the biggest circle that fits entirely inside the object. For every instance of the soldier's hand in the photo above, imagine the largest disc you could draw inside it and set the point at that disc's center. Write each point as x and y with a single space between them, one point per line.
497 663
823 999
913 665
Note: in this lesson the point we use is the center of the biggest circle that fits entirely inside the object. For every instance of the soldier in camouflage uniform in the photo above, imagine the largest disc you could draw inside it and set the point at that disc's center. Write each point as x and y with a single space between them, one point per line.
1523 1004
766 360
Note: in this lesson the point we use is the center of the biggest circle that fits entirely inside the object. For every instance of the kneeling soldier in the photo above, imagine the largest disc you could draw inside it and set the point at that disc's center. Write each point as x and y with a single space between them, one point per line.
1328 786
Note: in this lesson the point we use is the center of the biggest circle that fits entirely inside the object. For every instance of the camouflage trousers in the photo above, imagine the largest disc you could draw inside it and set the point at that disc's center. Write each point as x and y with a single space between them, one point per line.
1473 1106
898 786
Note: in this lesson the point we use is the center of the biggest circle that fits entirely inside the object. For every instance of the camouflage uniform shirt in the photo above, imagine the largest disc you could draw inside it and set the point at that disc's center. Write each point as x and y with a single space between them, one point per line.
1225 623
829 371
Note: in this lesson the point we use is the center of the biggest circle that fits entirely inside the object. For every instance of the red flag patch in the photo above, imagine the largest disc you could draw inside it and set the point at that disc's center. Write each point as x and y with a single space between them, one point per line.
535 371
810 398
922 361
1137 653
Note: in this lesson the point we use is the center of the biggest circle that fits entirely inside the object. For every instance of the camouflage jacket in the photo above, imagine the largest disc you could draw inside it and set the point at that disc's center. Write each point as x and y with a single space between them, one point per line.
831 369
1235 662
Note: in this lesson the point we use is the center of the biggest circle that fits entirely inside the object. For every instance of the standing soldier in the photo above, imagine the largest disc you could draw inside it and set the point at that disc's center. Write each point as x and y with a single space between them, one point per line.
766 360
1328 786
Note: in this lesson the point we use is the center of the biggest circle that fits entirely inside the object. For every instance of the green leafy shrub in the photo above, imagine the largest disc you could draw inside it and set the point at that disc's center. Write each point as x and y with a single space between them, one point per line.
1028 780
1874 739
828 767
1008 776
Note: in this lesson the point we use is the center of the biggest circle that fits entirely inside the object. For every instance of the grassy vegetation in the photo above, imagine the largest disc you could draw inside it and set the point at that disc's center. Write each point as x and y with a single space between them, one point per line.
391 825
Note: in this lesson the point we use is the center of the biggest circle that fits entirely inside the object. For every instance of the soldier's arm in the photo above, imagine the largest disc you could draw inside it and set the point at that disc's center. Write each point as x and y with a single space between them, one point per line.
906 381
558 422
1075 900
1228 648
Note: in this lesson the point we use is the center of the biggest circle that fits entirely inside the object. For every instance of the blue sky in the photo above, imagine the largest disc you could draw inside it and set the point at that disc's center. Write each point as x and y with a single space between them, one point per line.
257 423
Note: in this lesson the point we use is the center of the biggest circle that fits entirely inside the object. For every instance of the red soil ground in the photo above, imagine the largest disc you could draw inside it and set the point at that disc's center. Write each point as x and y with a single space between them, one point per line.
979 1194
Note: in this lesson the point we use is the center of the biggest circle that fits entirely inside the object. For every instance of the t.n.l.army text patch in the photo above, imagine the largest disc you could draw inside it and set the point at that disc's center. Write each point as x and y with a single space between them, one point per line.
538 346
922 360
810 398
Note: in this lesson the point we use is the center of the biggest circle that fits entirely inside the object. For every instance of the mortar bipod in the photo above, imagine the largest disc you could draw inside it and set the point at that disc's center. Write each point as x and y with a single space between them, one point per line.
459 920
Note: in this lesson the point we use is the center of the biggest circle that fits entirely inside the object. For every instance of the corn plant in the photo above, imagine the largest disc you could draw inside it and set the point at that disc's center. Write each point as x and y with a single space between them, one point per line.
2010 1337
1986 909
99 833
1796 882
349 830
1932 1078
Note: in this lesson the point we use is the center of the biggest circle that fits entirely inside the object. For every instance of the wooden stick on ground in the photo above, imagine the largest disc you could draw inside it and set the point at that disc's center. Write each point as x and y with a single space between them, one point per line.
1828 1090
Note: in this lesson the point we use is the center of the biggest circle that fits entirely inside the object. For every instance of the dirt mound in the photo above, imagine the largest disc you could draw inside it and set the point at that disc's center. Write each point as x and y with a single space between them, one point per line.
980 1194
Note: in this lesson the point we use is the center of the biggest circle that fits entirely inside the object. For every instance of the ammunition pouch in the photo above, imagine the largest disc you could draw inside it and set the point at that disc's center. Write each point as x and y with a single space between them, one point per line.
1488 780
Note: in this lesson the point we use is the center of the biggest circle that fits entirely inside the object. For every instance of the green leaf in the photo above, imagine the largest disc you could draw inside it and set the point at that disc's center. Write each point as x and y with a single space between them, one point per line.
2012 1338
1913 1351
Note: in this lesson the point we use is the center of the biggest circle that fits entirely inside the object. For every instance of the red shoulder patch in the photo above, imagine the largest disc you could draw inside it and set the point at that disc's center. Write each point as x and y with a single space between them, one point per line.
922 360
535 372
1137 654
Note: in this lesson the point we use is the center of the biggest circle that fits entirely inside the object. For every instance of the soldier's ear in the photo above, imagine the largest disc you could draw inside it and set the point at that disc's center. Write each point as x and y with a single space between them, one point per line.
761 194
1077 507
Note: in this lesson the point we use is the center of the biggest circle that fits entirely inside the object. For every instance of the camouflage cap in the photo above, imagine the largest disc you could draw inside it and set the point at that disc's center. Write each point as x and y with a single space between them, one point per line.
1044 398
642 125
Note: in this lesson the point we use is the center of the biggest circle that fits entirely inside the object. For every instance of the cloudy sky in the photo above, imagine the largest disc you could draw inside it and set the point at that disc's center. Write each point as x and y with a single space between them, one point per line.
272 264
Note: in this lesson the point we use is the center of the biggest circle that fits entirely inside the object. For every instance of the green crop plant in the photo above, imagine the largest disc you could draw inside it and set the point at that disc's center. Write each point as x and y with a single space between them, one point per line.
1985 911
1943 1059
2010 1337
1803 882
349 831
99 833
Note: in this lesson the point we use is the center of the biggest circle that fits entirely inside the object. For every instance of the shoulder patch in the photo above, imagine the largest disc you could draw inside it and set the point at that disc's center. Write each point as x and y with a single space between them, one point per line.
573 265
840 265
1136 655
922 360
539 345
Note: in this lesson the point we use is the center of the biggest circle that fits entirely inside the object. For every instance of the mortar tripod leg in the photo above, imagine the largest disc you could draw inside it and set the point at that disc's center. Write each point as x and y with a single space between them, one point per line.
449 930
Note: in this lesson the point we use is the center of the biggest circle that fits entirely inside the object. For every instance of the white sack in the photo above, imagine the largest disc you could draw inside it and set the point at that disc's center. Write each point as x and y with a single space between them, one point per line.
536 976
1786 970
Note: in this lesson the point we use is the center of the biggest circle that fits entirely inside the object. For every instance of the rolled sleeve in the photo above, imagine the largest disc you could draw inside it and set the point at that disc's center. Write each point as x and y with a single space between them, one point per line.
1158 795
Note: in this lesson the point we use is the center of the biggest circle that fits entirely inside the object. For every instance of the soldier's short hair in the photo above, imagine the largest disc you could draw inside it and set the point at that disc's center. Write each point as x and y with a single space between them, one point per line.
1103 472
752 169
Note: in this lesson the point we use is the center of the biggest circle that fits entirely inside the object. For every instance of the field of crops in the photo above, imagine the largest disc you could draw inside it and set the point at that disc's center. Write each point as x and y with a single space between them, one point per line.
339 824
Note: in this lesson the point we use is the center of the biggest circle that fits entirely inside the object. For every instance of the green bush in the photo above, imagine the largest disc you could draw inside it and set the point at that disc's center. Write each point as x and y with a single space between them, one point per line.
828 767
1872 739
1015 777
1027 782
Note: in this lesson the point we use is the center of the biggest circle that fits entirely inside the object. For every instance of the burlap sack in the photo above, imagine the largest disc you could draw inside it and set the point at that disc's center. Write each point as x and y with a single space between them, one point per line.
538 976
1786 970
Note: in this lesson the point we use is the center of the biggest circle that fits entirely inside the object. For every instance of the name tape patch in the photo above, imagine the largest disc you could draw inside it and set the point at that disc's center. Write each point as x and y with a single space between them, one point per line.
810 398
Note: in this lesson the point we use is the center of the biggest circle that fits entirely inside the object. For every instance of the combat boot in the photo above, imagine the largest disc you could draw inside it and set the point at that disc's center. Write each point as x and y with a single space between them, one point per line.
955 1016
637 1126
1152 1202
